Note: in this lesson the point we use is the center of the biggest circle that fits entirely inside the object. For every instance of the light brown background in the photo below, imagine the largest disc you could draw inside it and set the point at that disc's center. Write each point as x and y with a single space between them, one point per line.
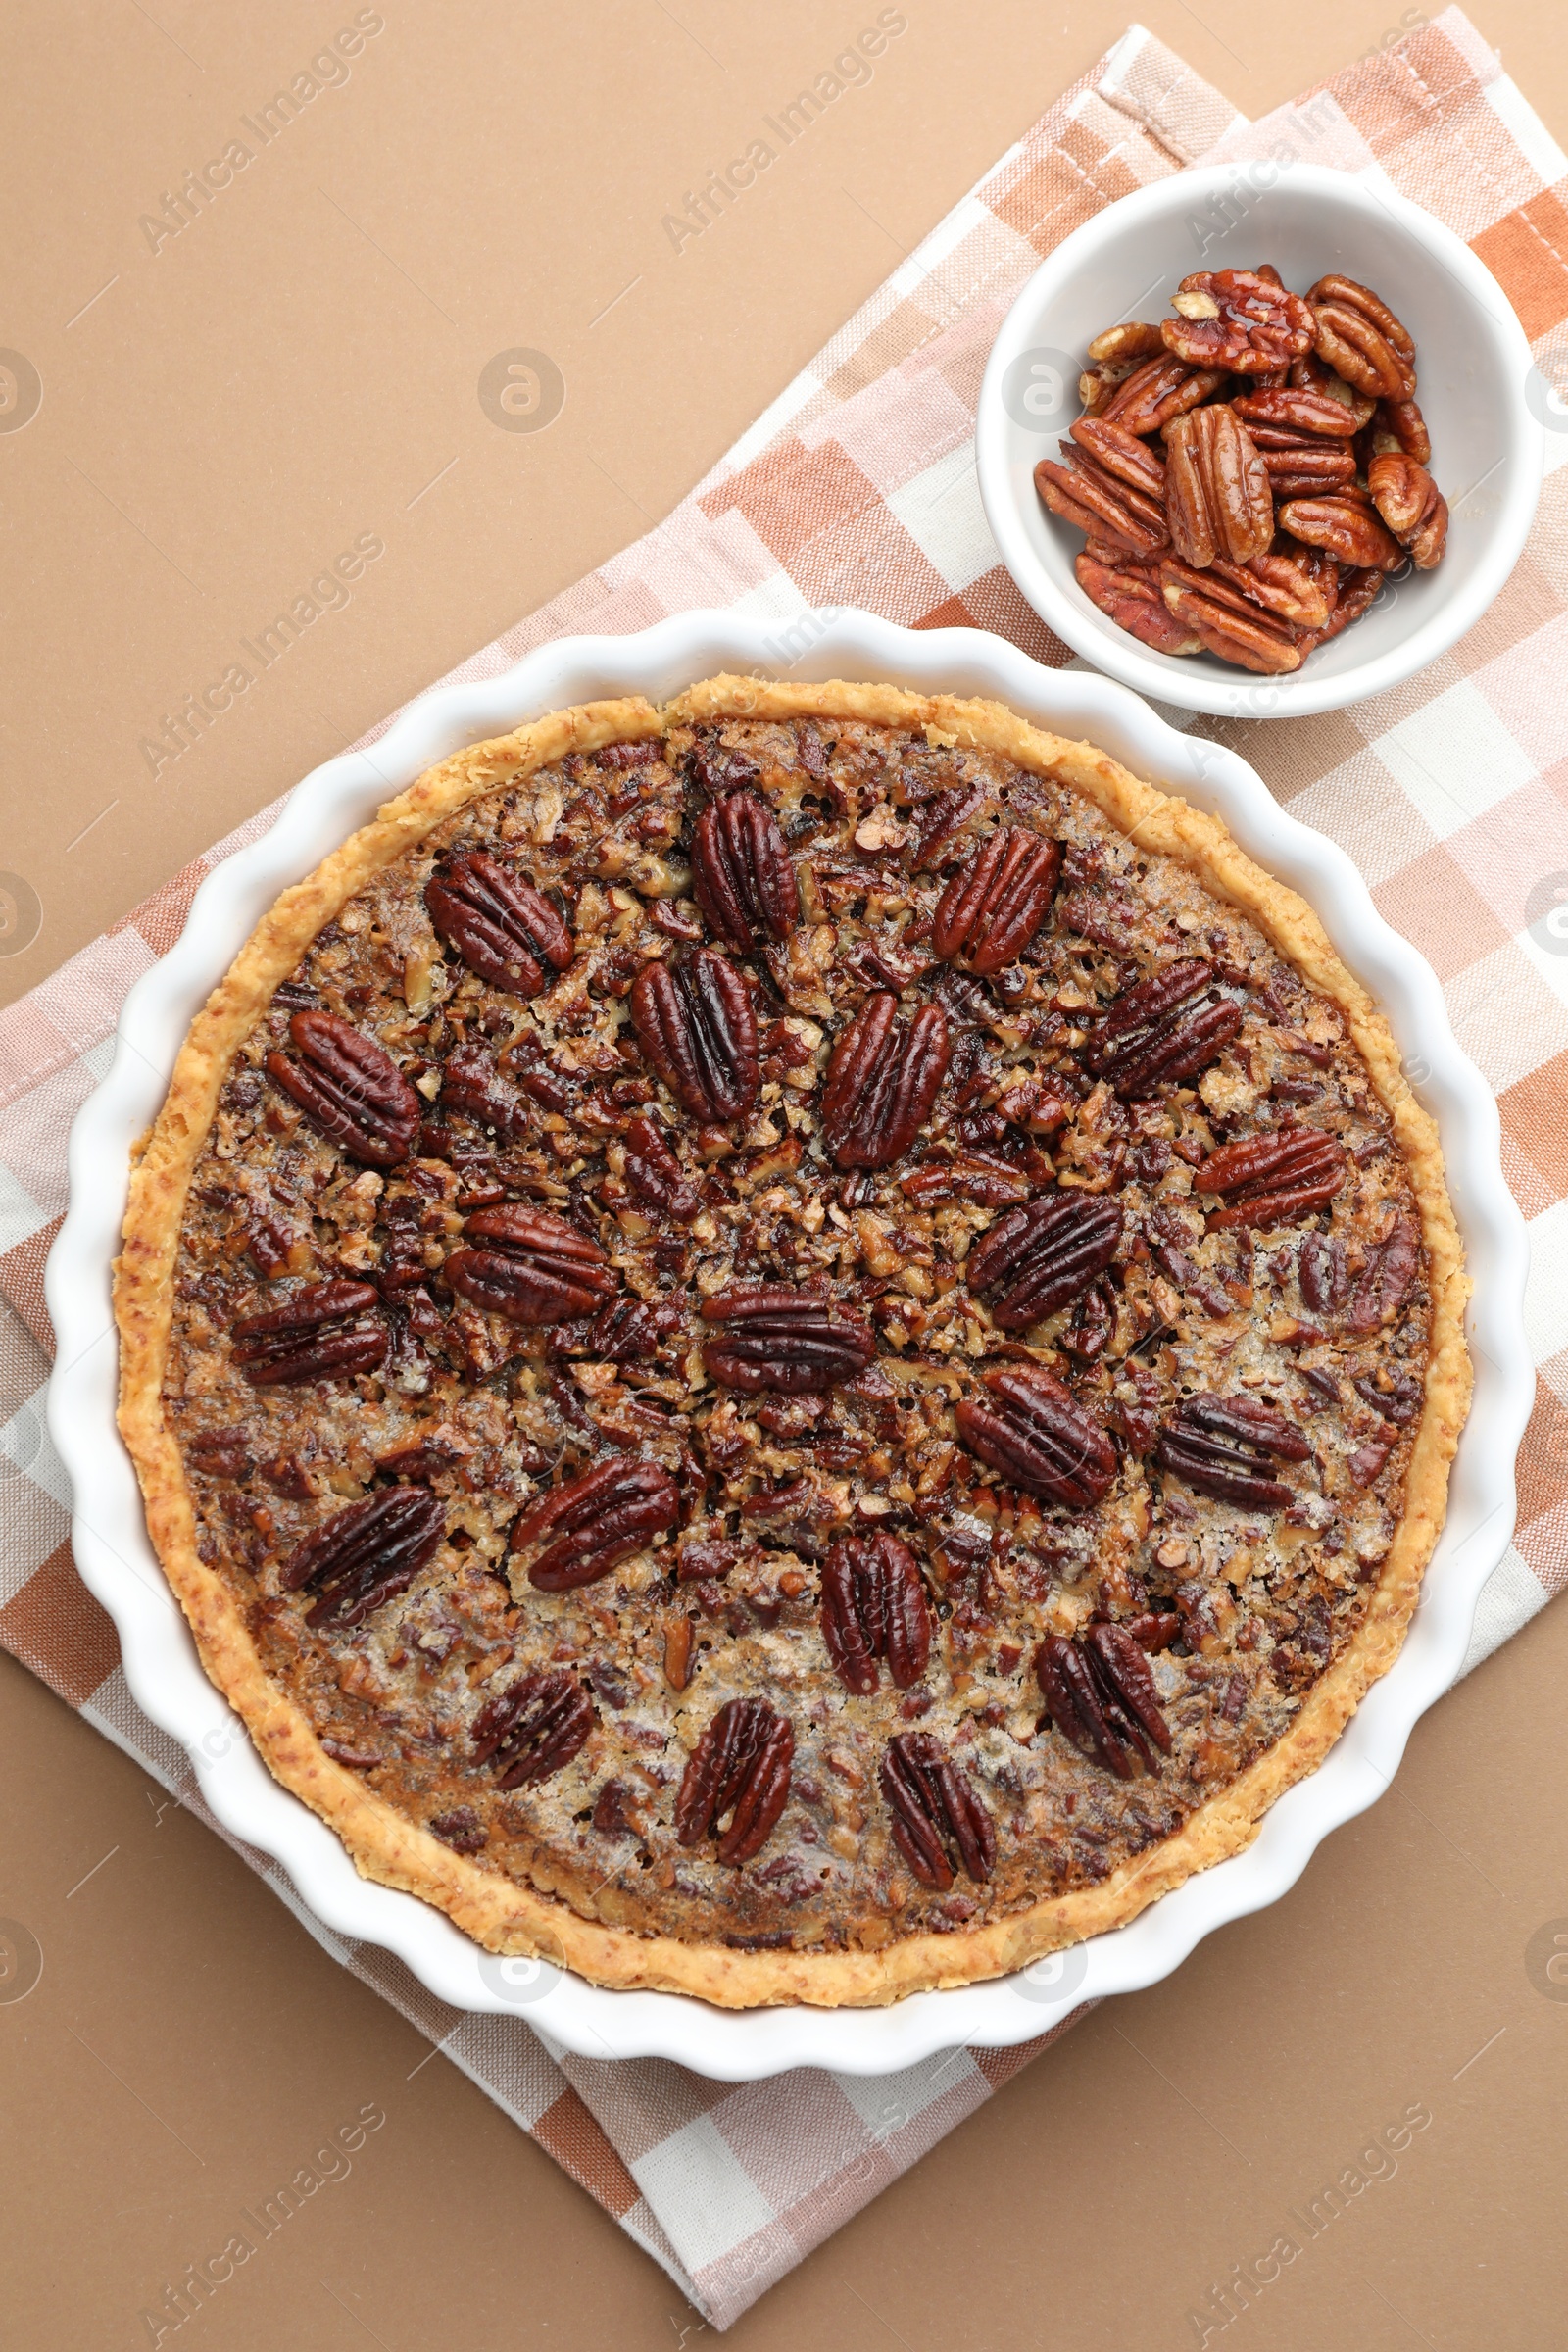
298 367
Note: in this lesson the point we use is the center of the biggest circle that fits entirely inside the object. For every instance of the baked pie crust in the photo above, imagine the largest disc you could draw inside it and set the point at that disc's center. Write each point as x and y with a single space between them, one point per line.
1098 1675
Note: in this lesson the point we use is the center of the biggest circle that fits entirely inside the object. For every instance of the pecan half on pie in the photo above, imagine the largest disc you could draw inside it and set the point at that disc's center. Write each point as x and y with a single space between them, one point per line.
794 1347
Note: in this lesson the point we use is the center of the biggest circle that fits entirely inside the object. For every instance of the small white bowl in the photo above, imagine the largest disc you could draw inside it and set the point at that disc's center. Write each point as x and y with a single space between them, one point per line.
1474 371
110 1533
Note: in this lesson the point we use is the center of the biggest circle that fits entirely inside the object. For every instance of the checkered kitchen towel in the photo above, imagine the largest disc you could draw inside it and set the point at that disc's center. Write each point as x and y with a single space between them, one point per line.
857 488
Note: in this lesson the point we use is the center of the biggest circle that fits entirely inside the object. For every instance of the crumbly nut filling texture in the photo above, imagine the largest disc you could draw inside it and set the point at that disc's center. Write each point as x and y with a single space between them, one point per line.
784 1338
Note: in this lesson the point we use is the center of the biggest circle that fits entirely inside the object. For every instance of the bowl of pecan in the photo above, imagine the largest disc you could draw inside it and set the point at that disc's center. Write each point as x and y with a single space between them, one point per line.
1257 440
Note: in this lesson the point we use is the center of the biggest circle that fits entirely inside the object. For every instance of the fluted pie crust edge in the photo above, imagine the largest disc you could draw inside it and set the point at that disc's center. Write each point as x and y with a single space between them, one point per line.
498 1913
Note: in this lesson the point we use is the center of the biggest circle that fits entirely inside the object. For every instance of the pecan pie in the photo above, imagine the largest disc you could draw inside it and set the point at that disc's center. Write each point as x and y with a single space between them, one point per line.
790 1347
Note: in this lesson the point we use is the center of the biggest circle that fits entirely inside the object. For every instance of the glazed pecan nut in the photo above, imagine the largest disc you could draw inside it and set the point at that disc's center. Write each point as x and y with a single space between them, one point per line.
655 1175
717 766
1168 1236
1399 1401
460 1827
1088 1334
528 1265
625 1331
1217 496
1162 1030
1129 594
1321 1271
1315 565
1302 470
1387 1278
1134 1406
882 1080
1162 388
363 1555
991 911
939 1822
740 1769
426 1452
1312 374
1032 1431
1100 1695
327 1330
1297 411
1233 588
1125 345
1367 1460
1123 491
473 1086
1347 528
698 1028
1094 501
967 1176
742 878
502 928
1044 1255
1097 387
1411 505
1400 425
221 1452
1285 586
1226 1446
1119 1666
785 1339
1273 1179
875 1606
533 1728
1122 456
349 1088
1236 627
589 1525
1102 384
1356 594
1056 486
1237 320
944 819
1358 336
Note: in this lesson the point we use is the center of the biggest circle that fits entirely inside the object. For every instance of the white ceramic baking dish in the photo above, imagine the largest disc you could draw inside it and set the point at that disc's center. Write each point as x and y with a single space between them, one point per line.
119 1564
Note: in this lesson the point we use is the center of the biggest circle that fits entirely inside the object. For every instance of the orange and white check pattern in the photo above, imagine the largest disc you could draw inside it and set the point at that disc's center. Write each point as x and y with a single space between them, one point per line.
858 487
